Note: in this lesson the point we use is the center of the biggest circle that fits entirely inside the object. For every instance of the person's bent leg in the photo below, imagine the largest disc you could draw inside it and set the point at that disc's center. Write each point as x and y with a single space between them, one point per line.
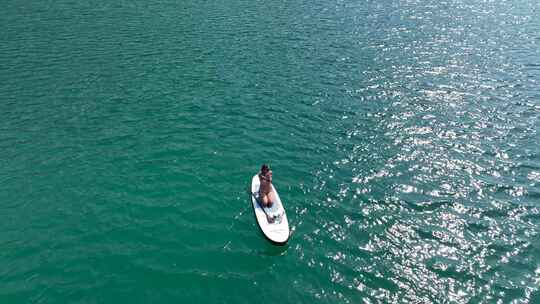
271 198
264 200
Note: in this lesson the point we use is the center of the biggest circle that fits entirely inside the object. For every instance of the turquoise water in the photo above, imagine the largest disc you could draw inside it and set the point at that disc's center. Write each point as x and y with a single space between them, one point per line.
403 136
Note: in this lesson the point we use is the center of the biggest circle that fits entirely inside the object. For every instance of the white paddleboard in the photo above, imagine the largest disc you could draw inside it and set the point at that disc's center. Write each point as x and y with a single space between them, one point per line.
278 230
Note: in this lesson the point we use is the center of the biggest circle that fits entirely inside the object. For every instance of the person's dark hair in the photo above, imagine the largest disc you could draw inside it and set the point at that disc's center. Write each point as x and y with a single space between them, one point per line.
264 169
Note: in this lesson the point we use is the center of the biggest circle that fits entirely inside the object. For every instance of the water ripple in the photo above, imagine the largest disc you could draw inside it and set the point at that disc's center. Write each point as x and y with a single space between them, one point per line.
403 136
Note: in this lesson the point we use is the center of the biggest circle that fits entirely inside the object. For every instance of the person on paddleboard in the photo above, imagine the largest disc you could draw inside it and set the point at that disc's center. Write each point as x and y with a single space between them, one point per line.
265 190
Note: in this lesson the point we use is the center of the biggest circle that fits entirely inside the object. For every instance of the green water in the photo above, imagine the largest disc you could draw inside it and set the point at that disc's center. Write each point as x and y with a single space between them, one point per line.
403 136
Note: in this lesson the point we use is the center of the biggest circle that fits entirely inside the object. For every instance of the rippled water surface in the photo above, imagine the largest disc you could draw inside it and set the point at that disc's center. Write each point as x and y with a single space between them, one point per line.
403 136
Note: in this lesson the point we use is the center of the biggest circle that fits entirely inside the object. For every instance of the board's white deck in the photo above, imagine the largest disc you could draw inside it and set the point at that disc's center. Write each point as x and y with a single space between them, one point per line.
277 231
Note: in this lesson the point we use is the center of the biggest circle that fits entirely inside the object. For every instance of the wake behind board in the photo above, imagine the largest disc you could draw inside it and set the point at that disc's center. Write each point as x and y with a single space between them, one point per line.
277 231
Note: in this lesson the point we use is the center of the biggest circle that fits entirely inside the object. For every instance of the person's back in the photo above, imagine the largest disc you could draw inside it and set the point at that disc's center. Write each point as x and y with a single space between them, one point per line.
265 189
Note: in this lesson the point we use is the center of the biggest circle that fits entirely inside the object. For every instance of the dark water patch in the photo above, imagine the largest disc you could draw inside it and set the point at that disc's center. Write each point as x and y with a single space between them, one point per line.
448 268
428 206
478 226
